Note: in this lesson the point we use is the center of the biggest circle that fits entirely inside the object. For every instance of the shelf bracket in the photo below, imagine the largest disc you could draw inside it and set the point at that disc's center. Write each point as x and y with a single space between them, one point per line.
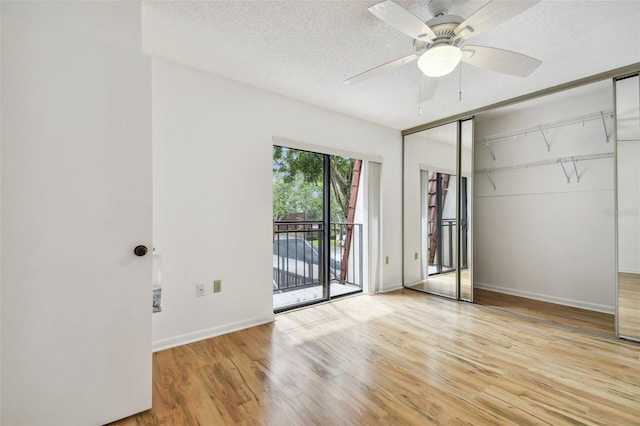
490 180
486 143
604 125
575 167
546 142
565 171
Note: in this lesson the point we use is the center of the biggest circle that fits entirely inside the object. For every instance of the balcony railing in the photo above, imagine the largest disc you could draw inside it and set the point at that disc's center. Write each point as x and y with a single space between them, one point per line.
298 254
442 260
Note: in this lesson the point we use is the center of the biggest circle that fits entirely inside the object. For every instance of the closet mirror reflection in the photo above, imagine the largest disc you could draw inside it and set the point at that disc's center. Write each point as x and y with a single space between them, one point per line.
628 195
437 210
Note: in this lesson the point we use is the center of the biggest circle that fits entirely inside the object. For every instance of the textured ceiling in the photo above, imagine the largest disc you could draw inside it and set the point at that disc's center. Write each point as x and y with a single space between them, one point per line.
305 49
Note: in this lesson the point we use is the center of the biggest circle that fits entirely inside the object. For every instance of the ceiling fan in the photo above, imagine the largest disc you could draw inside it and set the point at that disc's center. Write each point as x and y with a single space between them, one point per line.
439 44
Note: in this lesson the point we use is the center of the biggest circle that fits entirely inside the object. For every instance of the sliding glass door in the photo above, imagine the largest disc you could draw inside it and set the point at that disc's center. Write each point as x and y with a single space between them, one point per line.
317 241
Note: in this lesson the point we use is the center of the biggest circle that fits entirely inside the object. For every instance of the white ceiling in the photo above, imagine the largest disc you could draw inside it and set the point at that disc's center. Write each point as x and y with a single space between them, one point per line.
305 49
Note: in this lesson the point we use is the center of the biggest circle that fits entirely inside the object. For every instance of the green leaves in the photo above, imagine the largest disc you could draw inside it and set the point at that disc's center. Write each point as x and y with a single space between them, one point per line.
297 184
296 196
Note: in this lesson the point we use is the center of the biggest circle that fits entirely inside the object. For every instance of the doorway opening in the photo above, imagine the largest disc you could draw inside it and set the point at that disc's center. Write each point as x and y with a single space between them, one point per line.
440 219
439 192
317 227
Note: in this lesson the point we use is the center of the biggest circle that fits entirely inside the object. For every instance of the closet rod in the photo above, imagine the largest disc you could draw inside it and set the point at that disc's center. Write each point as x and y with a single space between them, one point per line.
573 159
599 115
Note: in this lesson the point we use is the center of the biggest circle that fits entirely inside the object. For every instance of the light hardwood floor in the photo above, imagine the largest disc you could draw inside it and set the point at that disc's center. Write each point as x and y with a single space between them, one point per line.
591 321
441 284
445 284
629 304
401 358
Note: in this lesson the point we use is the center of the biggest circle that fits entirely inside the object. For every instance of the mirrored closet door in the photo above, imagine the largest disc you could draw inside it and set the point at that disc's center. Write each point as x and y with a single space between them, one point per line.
437 210
628 206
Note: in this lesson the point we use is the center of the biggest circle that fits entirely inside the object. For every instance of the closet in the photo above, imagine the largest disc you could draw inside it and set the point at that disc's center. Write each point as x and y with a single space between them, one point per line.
544 208
532 208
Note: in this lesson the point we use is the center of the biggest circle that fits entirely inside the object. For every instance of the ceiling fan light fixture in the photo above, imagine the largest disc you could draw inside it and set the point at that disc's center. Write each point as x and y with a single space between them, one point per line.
439 60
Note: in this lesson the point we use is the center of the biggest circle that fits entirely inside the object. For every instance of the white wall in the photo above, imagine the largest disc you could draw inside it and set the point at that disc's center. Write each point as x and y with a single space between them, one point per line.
537 235
212 195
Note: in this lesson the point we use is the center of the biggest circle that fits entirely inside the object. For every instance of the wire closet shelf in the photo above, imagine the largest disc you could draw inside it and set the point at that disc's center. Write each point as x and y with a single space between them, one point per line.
562 161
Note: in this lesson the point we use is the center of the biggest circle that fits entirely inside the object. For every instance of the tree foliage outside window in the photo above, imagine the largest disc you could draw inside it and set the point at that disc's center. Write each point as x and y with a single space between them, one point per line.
297 184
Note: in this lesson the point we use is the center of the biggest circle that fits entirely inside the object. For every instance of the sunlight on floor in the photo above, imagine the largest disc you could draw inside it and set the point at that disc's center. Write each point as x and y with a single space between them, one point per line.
296 297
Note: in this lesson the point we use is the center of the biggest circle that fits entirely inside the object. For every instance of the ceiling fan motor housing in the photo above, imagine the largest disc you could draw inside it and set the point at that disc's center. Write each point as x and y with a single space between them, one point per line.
443 26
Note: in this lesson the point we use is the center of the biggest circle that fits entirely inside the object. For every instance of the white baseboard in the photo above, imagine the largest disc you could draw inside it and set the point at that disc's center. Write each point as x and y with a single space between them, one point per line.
196 336
390 289
629 270
546 298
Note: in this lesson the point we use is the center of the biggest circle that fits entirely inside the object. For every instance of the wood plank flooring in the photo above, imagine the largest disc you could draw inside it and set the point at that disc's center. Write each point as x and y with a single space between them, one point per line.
629 304
595 322
445 284
401 358
442 284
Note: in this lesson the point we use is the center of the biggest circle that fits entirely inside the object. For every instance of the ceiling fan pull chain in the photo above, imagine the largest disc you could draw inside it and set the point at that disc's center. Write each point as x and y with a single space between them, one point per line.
419 97
460 83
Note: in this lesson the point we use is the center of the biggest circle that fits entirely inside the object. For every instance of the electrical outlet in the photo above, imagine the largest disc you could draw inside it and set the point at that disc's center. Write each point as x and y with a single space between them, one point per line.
217 286
199 290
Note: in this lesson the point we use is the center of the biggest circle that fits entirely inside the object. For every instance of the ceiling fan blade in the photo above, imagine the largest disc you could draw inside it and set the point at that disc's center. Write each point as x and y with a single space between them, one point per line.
499 60
427 89
490 15
380 68
402 20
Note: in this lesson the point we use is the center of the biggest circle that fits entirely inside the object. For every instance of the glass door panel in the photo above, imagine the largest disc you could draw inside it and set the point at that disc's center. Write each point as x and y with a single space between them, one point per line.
346 237
298 228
